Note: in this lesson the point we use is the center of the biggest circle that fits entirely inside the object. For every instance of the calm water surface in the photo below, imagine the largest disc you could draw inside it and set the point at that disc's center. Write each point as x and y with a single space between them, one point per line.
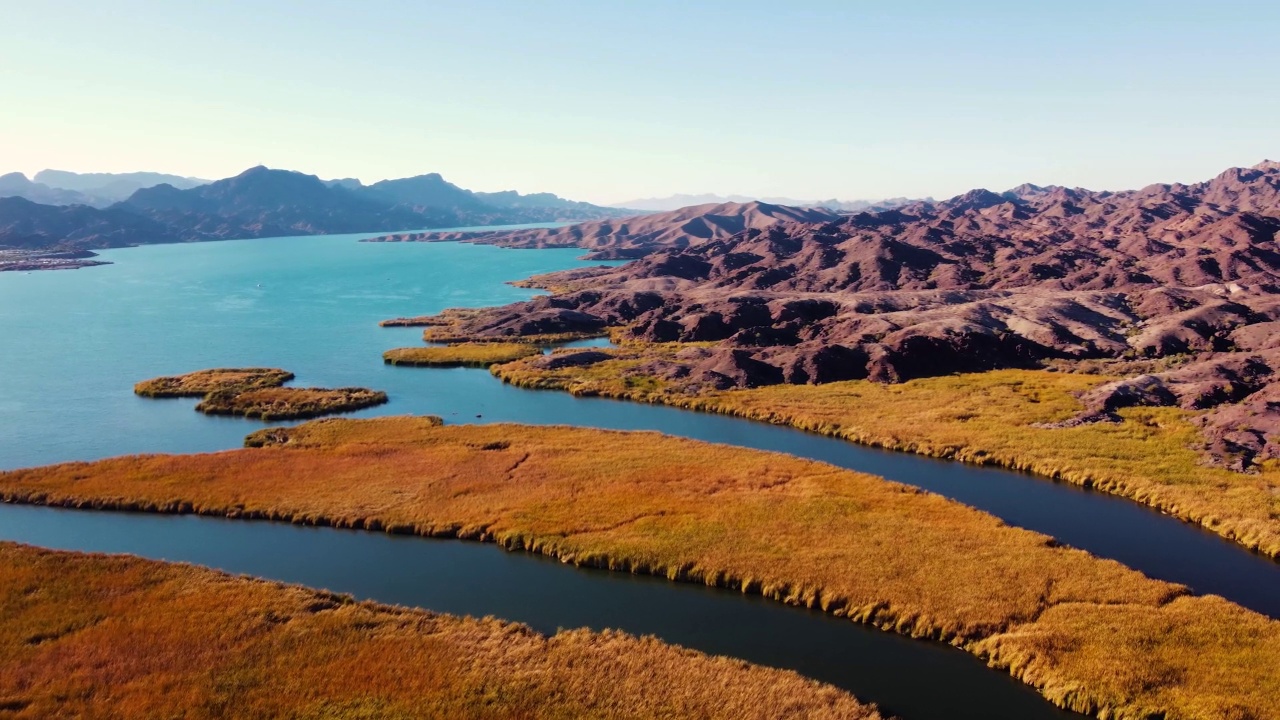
911 679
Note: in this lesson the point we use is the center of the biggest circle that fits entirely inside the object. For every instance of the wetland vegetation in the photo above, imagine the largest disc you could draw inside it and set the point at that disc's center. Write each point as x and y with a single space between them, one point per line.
1090 634
460 354
258 393
93 635
203 382
1017 419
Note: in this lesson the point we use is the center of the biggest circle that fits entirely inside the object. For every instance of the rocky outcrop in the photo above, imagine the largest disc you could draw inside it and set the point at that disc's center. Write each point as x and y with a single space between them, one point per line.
984 280
563 360
1239 388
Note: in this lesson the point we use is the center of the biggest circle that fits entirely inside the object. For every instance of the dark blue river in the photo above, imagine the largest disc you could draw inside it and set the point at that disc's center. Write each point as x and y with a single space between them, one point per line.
911 679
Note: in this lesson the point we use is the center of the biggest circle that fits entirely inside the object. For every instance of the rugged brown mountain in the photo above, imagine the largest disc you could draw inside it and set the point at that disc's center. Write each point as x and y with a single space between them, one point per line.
980 281
634 237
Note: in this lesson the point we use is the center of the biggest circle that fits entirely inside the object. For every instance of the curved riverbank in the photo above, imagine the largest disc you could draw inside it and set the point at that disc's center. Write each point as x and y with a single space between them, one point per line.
995 419
256 648
908 679
796 531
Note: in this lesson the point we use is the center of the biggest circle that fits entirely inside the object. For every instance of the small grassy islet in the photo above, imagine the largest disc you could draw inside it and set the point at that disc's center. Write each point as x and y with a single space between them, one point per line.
257 393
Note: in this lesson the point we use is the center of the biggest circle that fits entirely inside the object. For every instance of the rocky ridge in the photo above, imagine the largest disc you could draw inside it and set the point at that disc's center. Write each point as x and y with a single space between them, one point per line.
983 280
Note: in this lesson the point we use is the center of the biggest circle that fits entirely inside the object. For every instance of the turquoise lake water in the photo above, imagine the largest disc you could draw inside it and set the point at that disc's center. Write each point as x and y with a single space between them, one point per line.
73 342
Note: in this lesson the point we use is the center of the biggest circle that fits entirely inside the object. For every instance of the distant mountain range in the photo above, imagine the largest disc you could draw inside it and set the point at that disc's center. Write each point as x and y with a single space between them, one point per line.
675 202
100 190
113 187
636 237
18 185
259 202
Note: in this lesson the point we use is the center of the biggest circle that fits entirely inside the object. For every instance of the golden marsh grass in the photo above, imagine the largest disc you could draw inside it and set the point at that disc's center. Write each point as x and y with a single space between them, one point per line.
256 393
990 418
460 354
203 382
110 636
270 404
797 531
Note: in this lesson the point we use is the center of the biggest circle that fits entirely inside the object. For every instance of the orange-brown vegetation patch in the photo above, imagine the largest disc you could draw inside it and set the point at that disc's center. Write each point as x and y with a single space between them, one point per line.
272 404
798 531
98 636
460 354
203 382
256 393
1010 418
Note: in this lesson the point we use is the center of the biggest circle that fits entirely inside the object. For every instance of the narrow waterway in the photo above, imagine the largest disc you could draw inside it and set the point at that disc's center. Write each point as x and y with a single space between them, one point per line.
77 341
1159 545
912 679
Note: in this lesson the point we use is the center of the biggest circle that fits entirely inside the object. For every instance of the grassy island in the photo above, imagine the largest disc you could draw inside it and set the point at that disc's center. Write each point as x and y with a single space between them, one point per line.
1090 634
999 418
256 393
271 404
203 382
460 355
112 636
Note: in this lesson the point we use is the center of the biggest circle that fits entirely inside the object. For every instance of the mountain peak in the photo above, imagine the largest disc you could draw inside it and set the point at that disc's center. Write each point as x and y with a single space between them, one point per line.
976 199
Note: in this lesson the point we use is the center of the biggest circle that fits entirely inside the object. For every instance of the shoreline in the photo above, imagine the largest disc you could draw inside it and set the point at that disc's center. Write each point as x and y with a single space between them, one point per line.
266 634
35 260
1000 646
1149 497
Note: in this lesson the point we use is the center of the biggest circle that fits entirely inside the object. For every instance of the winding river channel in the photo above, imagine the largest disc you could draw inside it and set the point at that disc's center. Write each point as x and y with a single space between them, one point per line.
311 305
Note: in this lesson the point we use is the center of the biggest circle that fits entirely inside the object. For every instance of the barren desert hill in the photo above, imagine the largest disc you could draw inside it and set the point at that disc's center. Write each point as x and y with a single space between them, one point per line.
1188 275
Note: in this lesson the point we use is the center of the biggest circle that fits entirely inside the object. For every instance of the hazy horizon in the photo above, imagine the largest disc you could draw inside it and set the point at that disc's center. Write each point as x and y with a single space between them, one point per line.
609 102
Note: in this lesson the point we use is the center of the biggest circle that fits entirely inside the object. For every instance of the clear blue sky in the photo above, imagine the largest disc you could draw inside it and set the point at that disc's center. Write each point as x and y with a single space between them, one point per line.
606 100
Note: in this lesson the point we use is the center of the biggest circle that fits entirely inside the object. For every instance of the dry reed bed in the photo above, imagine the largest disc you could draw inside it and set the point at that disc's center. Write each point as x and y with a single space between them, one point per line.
203 382
256 393
801 532
270 404
460 355
111 636
988 419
